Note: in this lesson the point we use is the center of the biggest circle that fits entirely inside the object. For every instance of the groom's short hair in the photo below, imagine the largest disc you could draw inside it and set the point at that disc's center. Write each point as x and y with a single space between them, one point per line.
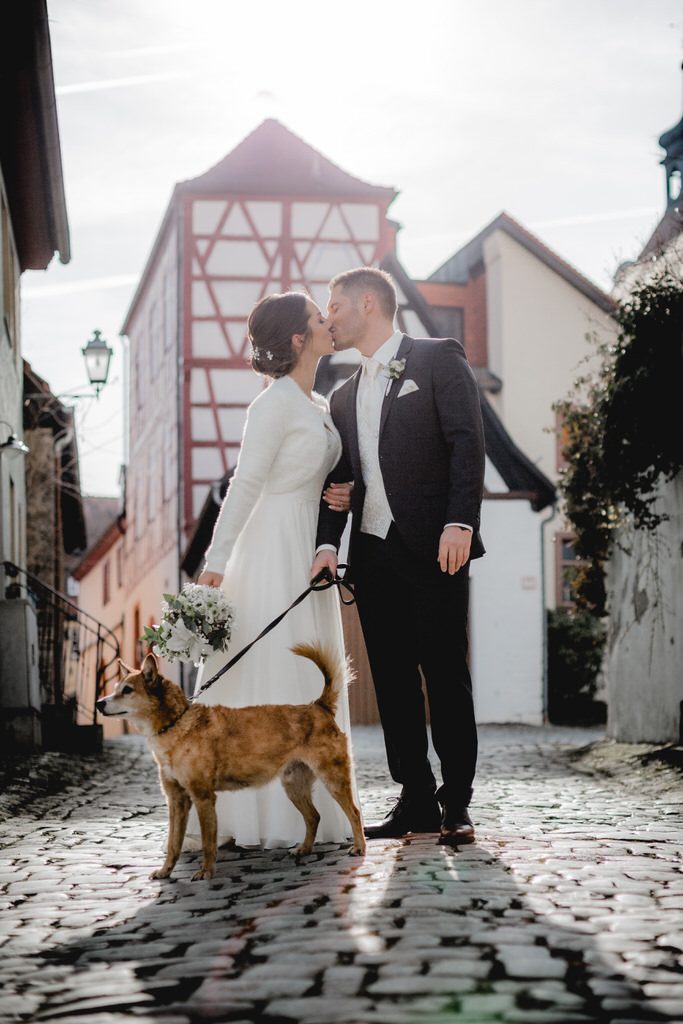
370 279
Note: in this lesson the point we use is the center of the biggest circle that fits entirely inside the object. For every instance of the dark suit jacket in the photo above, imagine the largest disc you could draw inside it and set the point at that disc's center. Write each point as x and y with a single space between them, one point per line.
431 449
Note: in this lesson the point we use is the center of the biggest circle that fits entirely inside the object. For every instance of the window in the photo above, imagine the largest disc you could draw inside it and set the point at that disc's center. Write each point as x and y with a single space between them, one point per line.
568 563
137 644
106 582
561 441
13 538
152 488
450 321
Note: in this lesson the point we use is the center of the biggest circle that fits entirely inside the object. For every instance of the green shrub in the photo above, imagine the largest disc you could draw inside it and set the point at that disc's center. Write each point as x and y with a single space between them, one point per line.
622 429
576 640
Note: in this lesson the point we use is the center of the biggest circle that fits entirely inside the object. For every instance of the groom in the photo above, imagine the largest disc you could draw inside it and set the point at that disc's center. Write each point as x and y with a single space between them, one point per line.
411 427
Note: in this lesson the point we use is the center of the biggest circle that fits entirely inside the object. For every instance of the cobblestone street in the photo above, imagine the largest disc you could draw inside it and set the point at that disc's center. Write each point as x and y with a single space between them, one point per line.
568 908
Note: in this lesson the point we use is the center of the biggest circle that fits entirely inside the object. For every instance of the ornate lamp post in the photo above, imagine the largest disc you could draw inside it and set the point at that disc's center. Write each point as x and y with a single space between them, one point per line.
97 355
12 446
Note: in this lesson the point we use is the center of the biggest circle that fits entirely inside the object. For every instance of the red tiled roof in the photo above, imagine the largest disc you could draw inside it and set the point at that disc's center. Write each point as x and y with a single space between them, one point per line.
457 266
273 160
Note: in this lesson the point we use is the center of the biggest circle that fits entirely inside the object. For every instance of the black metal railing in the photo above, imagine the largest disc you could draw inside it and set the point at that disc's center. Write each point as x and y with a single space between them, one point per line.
72 644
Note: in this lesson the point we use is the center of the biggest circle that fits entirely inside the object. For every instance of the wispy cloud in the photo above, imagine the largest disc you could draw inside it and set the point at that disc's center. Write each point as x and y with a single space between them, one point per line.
152 51
532 225
119 83
596 218
90 284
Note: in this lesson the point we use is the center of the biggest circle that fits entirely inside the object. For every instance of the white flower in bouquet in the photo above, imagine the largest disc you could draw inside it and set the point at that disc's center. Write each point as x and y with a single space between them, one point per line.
194 623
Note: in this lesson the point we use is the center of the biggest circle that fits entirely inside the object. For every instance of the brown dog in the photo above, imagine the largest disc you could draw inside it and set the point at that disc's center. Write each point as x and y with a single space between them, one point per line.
201 749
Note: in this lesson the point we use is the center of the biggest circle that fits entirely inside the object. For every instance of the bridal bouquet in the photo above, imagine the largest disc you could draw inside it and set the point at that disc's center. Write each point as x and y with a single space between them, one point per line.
194 623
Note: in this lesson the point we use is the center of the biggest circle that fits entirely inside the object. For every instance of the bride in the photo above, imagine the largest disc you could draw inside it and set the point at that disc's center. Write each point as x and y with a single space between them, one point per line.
260 556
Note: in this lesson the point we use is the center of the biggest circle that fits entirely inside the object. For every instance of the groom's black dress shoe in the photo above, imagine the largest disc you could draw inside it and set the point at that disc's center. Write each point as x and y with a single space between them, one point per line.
456 826
407 816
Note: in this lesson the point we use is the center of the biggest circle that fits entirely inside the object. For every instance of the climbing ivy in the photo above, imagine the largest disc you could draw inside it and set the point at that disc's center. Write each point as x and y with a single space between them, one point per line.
622 428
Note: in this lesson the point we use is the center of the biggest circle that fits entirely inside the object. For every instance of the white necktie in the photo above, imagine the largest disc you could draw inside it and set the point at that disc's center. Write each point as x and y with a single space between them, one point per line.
377 517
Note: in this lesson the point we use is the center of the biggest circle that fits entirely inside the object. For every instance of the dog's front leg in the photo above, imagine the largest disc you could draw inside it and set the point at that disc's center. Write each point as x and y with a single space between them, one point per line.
206 812
179 804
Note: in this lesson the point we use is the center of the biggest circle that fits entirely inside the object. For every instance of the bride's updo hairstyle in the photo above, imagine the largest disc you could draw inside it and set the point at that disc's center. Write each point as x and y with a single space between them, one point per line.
272 323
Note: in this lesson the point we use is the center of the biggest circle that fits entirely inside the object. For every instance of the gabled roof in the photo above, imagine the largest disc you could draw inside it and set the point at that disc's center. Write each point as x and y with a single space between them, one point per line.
273 160
458 268
100 511
669 227
30 155
517 470
105 523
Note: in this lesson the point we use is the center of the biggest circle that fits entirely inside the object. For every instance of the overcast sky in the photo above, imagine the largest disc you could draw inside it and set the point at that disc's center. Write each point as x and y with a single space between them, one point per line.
548 109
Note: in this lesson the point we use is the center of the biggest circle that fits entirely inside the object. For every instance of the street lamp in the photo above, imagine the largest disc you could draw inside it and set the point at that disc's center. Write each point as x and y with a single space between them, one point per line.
12 445
97 356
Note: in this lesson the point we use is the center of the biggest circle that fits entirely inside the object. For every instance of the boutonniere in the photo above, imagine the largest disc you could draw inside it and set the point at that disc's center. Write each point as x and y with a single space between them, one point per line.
396 368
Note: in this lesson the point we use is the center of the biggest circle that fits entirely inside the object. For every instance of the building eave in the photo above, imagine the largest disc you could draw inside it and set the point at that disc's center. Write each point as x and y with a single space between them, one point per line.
460 265
517 470
100 548
272 159
30 152
156 249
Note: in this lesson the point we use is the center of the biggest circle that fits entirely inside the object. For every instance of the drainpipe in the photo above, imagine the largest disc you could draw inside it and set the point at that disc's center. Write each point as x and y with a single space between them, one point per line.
180 383
544 613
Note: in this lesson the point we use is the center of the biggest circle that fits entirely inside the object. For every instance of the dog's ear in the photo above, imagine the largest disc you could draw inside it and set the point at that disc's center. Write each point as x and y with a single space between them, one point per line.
150 674
124 669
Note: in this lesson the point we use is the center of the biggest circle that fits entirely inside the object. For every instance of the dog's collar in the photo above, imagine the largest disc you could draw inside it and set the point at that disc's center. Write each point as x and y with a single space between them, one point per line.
171 724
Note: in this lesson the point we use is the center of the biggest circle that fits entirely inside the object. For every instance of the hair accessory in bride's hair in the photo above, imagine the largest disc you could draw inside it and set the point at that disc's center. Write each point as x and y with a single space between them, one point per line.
257 353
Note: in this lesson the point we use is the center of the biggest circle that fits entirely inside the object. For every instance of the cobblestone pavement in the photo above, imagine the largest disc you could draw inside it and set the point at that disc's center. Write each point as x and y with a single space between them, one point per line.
568 908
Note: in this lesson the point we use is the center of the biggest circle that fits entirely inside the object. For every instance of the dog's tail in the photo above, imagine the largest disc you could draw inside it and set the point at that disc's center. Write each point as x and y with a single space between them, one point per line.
335 668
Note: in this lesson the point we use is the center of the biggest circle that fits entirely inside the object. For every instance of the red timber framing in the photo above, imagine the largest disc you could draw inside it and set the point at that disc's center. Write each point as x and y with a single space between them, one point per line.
288 262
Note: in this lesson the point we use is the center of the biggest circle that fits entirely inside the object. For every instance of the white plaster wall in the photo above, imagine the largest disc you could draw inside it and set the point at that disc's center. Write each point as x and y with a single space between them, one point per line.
537 327
148 593
12 468
506 615
111 615
152 420
644 656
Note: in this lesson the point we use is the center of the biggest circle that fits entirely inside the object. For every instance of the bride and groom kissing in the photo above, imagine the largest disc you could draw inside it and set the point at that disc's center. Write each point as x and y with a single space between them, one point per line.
400 445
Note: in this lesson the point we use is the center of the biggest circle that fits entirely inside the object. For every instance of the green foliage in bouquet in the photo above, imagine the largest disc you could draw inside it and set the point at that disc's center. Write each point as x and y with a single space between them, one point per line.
194 623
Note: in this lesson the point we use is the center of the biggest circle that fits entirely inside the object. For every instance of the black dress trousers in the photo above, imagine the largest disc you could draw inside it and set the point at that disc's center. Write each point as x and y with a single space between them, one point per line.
414 617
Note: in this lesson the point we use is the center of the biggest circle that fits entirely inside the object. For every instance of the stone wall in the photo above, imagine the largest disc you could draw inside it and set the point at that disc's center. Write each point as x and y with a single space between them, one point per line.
41 512
644 656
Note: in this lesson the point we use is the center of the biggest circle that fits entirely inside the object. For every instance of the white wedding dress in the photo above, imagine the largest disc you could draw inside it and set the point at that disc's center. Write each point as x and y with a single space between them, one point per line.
264 544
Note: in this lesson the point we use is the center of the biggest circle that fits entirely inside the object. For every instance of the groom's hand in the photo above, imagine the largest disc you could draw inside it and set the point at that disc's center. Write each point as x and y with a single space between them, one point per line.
210 579
454 548
324 560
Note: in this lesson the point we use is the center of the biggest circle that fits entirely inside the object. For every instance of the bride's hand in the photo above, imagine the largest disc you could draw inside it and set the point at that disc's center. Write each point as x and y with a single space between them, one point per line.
210 579
338 496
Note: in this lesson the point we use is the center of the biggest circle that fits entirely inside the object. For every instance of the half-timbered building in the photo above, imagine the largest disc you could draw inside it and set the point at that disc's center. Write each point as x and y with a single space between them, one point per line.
276 215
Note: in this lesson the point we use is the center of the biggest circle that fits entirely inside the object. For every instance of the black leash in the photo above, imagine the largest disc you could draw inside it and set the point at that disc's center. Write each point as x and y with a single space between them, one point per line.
322 581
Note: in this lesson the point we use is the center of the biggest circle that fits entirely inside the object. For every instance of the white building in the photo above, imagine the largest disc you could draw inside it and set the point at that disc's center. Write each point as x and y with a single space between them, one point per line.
530 322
